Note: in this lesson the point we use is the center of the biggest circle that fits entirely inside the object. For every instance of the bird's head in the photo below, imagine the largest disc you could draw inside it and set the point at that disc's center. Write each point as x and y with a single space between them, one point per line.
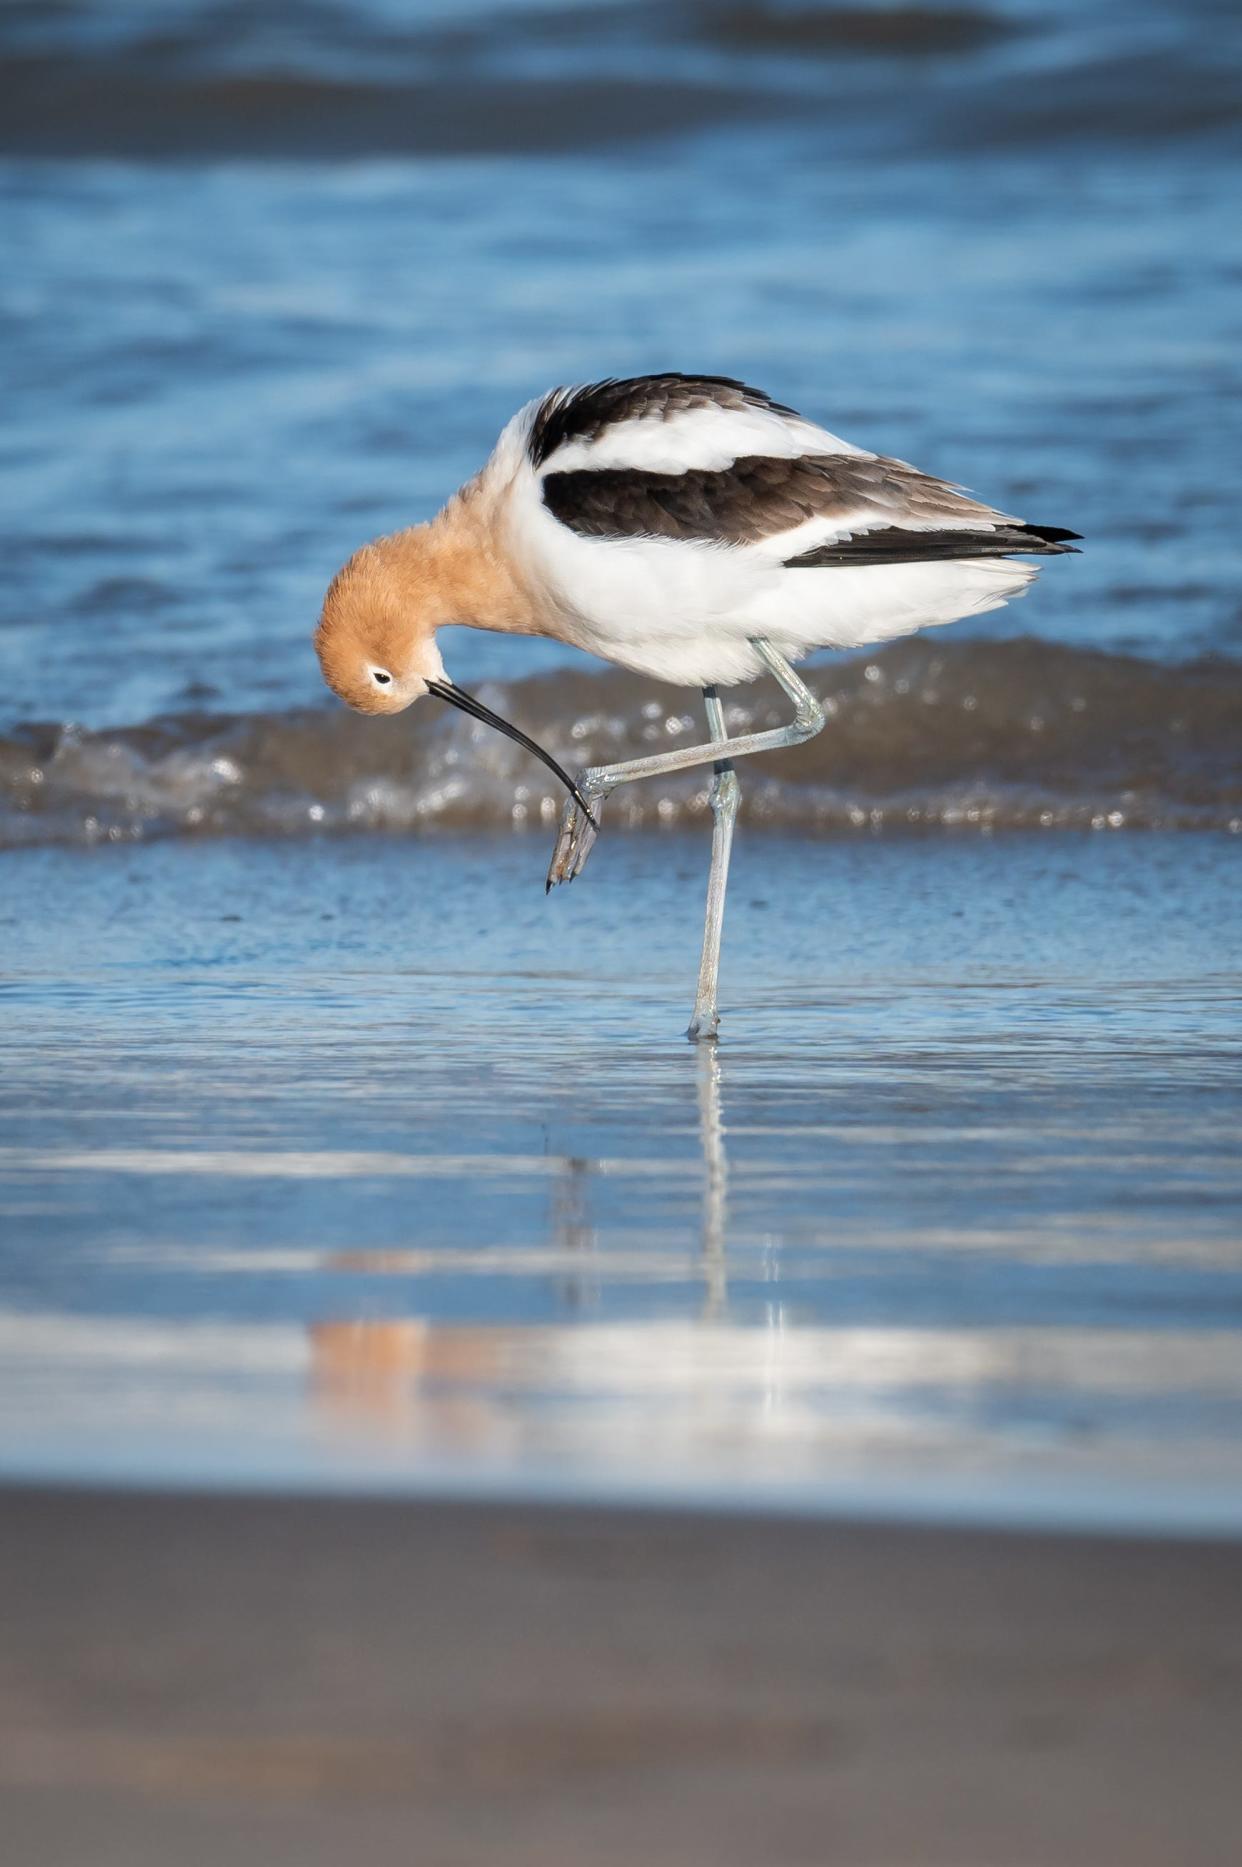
376 638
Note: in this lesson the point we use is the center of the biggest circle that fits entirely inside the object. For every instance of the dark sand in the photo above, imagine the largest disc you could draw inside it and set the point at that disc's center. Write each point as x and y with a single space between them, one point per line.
199 1679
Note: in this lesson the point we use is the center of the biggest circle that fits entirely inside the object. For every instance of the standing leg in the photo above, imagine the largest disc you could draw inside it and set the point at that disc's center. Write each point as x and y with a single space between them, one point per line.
723 798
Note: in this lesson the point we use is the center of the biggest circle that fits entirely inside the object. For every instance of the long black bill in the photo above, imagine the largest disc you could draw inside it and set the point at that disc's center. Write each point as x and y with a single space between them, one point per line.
445 690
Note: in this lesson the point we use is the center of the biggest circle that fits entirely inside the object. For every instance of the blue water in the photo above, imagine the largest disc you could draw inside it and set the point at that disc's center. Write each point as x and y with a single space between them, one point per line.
350 1159
366 1164
246 330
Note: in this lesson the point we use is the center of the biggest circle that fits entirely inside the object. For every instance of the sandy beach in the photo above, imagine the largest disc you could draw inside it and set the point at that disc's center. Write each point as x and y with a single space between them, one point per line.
197 1679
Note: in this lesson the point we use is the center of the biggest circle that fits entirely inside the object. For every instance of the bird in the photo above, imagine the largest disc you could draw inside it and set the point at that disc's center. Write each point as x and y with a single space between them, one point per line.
690 528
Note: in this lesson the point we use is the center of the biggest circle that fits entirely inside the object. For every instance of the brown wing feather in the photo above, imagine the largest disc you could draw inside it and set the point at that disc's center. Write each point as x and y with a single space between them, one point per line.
759 497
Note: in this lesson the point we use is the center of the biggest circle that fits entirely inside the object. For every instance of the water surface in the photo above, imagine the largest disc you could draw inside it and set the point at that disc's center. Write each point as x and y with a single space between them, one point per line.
329 1151
313 1168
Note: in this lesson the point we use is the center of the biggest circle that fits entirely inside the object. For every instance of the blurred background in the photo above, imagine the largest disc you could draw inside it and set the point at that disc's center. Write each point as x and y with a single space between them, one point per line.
278 273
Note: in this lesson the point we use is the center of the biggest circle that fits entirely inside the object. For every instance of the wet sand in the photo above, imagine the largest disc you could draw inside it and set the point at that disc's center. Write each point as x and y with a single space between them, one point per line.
195 1679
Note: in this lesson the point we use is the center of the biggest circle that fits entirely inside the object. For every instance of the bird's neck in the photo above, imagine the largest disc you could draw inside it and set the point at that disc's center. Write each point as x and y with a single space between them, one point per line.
457 568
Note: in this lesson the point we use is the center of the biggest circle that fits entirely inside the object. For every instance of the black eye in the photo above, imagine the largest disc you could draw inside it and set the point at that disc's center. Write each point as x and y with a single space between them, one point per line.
381 676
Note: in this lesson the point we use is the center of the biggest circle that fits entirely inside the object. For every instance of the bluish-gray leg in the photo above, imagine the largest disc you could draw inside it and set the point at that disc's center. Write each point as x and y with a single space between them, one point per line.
723 798
576 836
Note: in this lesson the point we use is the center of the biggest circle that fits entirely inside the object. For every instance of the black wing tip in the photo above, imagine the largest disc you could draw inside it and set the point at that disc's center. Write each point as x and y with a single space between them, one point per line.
895 544
1054 537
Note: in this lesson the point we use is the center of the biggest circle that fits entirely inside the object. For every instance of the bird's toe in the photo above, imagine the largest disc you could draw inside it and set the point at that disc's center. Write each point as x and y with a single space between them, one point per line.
574 843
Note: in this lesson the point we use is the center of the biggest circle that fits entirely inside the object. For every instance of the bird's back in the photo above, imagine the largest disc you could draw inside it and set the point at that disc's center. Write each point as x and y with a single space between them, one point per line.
666 520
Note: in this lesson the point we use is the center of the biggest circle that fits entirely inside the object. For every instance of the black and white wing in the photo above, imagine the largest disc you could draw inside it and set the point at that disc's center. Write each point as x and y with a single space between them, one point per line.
708 460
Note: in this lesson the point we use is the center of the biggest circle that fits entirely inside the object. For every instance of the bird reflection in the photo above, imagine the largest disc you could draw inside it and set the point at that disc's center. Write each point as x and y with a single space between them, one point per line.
408 1376
572 1231
715 1182
413 1374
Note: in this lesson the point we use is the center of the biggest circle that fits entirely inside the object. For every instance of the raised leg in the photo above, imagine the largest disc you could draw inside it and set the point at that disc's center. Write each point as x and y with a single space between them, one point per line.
576 837
723 798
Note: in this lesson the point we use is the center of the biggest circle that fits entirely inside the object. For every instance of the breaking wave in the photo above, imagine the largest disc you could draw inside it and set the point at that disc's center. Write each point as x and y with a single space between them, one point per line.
923 736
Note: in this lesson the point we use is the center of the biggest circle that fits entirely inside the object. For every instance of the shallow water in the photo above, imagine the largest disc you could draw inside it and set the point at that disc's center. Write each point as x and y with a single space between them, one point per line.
923 734
313 1168
345 1157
